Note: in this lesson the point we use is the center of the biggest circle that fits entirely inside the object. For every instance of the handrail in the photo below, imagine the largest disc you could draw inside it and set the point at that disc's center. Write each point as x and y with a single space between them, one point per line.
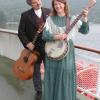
14 32
9 31
87 49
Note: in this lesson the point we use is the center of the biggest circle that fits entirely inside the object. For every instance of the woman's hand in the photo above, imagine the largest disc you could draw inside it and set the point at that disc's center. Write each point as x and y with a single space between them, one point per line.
85 15
60 36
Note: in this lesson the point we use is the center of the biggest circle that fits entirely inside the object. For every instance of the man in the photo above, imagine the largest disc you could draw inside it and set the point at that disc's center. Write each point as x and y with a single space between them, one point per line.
28 27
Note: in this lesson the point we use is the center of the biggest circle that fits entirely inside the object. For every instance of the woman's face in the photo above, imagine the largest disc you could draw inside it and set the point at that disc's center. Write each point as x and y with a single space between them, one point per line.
59 7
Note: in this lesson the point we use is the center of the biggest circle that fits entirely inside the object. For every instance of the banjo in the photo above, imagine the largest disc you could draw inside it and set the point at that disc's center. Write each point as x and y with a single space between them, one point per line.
57 50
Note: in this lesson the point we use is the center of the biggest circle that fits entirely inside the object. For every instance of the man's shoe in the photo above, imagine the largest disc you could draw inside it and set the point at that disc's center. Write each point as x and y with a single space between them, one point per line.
38 96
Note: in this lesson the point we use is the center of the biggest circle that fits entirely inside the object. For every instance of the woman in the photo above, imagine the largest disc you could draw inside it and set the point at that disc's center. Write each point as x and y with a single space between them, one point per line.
60 75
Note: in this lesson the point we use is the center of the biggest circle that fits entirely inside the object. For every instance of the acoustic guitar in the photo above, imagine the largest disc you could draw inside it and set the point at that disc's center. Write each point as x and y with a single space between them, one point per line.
23 68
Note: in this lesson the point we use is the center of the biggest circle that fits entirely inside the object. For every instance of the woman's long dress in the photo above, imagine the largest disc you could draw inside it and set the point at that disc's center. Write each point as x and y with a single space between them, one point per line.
60 75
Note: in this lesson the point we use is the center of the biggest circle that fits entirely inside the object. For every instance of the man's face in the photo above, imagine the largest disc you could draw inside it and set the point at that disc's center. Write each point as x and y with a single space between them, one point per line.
36 4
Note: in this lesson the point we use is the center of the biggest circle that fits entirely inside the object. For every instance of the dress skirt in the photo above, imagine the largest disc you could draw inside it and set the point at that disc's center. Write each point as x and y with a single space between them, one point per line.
60 77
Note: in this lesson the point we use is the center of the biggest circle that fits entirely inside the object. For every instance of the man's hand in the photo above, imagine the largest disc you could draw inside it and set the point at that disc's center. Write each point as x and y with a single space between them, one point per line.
30 46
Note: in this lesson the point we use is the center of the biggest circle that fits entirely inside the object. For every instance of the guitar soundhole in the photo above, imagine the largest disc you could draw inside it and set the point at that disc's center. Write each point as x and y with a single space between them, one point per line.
25 59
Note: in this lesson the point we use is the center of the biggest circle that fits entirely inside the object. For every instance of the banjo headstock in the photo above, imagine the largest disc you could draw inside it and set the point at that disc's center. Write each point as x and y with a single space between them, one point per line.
91 3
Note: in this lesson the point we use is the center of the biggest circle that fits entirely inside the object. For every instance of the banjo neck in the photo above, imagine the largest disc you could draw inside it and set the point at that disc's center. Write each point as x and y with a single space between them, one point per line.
74 22
90 5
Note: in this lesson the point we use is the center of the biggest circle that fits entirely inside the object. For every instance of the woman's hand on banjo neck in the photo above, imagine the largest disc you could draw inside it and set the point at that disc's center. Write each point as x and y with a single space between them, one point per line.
63 36
86 10
85 15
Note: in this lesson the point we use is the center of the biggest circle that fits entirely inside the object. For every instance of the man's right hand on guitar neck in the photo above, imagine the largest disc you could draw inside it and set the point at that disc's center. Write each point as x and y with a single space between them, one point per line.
30 46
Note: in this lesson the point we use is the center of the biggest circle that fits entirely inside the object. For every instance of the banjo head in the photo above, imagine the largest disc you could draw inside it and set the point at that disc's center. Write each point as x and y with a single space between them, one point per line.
56 49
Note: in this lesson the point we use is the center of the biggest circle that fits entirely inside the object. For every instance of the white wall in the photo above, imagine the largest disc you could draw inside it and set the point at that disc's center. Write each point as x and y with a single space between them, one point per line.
10 45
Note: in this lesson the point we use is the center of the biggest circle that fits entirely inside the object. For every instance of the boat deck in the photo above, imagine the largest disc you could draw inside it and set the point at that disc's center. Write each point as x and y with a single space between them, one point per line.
10 87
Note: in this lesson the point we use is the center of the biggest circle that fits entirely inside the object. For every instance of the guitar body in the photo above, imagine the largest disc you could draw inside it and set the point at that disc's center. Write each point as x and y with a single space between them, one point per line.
23 68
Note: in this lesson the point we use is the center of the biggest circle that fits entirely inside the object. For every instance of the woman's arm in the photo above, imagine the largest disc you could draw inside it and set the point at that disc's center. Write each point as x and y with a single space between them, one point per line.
84 29
47 35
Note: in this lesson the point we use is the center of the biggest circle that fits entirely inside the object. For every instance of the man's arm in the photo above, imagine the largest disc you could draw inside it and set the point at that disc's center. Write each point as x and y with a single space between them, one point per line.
21 31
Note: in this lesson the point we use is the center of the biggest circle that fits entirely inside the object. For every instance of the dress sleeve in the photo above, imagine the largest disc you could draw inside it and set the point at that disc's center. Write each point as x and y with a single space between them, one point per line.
47 35
84 29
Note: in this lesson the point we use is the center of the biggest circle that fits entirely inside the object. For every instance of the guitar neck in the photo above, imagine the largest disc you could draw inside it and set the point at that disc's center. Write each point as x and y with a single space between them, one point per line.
35 38
40 22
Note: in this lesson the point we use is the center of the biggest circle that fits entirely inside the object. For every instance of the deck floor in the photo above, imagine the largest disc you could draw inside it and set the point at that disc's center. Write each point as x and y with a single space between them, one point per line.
10 87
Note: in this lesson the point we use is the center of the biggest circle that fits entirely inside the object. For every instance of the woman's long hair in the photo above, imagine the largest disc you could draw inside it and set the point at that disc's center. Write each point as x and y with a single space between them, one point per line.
54 13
